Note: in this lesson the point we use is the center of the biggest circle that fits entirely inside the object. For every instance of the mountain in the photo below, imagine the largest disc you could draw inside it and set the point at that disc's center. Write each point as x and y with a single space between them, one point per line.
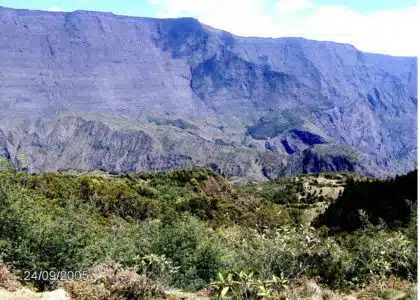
89 90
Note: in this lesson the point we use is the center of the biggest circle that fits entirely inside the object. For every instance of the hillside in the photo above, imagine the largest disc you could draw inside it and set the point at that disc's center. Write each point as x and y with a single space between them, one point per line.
152 234
88 90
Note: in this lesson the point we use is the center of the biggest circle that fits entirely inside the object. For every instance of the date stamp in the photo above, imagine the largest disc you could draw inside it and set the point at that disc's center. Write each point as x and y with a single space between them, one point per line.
39 275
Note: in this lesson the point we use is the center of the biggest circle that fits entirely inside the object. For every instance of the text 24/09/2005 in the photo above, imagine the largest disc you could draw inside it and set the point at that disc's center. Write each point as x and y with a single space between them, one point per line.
54 275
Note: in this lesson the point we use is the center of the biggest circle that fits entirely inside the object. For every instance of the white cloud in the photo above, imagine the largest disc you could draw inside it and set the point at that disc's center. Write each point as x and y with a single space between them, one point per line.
242 17
55 9
293 6
382 31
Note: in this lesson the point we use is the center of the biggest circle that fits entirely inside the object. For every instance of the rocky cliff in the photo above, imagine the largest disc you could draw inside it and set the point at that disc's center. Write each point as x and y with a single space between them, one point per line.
88 90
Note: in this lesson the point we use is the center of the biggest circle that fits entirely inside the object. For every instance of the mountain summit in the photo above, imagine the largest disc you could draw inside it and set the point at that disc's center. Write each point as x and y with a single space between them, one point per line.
89 90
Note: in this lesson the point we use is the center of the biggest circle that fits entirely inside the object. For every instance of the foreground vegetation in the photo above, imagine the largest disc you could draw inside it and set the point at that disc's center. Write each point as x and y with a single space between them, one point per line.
193 230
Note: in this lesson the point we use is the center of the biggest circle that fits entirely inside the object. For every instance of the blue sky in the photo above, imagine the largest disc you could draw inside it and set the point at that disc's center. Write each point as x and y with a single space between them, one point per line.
144 8
383 26
130 7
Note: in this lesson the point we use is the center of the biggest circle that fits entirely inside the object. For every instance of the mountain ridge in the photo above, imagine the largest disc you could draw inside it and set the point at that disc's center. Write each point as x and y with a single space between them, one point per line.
117 15
198 90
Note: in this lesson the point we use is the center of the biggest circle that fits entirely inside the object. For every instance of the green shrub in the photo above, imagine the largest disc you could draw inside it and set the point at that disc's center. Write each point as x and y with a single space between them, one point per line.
241 285
189 244
146 191
37 237
196 223
353 261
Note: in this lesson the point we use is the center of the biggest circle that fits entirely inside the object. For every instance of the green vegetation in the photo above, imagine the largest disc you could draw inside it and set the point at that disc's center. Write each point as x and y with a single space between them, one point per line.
176 123
275 124
392 201
192 229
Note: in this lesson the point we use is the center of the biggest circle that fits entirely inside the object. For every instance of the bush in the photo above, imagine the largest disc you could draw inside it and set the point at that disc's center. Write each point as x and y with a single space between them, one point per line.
189 244
242 285
110 281
272 253
45 238
285 194
354 261
8 280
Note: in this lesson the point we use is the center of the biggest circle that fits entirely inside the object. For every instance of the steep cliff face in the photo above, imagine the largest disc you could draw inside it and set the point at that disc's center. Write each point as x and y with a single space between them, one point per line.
93 90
